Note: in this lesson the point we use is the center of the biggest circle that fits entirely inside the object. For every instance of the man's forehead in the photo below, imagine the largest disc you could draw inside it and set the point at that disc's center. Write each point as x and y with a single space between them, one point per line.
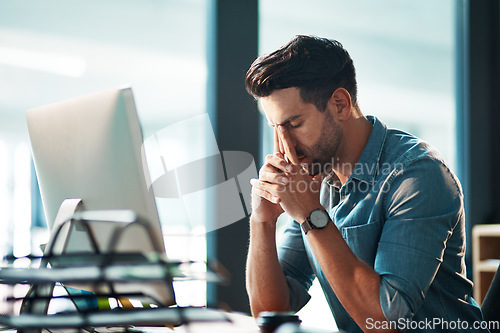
279 111
285 122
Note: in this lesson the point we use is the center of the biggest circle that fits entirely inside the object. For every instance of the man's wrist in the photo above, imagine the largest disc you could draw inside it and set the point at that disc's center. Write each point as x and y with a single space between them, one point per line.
318 219
307 213
262 229
256 220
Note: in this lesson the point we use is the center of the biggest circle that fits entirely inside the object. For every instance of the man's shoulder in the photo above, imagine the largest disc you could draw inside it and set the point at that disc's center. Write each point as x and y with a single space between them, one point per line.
402 148
405 155
395 148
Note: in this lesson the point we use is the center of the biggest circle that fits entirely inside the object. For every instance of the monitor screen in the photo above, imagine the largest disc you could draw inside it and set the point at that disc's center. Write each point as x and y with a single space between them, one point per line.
89 148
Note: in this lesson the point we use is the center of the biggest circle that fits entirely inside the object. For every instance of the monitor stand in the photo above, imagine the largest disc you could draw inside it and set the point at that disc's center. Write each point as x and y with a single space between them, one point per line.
67 209
57 242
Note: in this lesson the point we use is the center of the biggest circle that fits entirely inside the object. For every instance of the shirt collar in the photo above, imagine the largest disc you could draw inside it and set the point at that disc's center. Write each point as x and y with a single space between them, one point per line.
367 167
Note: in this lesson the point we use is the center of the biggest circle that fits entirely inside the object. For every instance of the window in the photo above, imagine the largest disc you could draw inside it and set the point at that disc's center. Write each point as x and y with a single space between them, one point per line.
55 50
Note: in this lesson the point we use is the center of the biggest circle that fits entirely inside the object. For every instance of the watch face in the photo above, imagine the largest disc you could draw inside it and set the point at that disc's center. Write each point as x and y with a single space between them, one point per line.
319 218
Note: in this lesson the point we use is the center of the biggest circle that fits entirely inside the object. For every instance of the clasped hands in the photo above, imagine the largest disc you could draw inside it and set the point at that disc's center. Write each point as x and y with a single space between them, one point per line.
283 184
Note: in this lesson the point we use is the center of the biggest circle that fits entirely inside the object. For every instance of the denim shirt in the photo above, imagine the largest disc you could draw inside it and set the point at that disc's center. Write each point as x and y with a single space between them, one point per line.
401 212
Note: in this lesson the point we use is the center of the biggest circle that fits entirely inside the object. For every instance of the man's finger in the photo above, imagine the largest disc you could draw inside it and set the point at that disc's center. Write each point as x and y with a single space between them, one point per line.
288 148
273 188
278 147
263 190
276 163
272 177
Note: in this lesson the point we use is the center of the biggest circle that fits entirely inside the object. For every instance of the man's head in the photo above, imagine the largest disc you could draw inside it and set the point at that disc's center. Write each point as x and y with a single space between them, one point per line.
317 66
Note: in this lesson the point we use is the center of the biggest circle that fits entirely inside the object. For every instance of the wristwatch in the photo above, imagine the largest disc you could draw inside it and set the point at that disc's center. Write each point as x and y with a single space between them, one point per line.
318 219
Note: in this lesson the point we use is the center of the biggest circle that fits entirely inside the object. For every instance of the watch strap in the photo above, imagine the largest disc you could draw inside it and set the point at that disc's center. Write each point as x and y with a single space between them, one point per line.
306 226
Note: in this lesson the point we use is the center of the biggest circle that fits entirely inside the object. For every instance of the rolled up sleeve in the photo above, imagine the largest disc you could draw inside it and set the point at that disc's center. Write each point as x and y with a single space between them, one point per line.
423 207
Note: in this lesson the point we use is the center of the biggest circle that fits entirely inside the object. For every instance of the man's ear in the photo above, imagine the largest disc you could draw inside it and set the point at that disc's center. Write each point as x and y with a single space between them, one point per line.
341 103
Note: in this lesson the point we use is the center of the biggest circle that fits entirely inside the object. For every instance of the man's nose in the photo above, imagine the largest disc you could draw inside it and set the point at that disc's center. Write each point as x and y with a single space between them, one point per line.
293 141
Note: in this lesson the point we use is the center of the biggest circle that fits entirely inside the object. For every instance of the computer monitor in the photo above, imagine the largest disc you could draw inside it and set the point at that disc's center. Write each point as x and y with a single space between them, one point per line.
90 148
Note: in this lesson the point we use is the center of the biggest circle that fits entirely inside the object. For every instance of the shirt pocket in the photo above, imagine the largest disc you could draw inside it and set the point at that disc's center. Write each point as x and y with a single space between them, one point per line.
363 240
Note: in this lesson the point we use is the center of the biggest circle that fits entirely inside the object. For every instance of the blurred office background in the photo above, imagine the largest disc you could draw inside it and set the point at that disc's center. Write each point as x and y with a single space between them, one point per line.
423 66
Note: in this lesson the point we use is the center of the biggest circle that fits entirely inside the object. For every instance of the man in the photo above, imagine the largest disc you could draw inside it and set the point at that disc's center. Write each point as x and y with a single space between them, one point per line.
377 214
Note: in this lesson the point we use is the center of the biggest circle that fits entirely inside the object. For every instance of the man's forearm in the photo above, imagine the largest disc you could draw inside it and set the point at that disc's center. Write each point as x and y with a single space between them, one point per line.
266 284
355 283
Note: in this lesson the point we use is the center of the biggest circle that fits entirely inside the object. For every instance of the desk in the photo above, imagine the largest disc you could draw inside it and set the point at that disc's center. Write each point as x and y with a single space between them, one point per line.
240 323
237 323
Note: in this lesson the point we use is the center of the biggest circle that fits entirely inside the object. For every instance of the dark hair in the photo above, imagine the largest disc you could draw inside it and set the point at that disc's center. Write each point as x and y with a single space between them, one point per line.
317 66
